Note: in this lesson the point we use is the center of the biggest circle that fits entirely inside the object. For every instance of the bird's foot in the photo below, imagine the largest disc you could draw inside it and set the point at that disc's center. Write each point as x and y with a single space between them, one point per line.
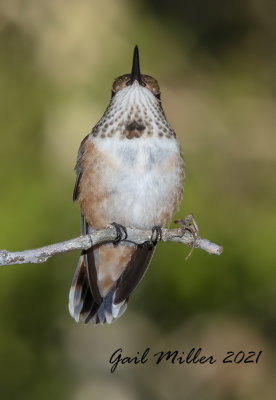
156 236
121 232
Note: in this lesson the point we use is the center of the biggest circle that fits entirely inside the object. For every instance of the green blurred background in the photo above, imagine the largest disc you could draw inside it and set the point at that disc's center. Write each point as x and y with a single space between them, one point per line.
215 62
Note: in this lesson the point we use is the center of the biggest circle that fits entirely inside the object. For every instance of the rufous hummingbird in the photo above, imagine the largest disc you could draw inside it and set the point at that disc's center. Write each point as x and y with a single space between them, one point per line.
129 171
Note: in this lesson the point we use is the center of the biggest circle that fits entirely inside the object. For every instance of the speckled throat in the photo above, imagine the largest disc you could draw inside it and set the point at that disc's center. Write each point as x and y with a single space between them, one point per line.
133 113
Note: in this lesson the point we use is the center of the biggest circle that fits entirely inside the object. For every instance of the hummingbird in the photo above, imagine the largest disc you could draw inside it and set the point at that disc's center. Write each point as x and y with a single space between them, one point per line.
129 172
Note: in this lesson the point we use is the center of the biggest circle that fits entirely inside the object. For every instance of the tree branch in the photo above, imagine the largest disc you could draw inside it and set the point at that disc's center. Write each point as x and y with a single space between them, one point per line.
187 234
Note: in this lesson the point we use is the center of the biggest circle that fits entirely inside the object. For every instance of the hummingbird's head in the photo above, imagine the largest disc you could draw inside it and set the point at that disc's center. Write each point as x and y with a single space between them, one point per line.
136 77
135 108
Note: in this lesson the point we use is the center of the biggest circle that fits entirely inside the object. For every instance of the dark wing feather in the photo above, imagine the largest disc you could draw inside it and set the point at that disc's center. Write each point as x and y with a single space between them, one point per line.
89 262
76 187
78 168
133 273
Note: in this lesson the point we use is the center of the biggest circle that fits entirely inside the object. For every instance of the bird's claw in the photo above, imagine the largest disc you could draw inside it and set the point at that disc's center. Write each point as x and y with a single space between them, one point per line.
155 237
121 232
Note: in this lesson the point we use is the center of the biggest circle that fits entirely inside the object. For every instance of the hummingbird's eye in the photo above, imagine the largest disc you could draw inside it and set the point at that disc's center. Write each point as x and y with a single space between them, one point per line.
128 83
158 96
112 93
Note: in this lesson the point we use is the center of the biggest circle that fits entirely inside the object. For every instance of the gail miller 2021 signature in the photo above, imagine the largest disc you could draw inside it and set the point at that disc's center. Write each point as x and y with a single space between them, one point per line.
193 356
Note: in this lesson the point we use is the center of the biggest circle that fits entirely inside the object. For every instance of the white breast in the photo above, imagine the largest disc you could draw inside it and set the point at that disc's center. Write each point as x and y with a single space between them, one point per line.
143 177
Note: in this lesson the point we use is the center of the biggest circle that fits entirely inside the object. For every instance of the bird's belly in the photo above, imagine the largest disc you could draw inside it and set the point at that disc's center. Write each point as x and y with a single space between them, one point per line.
144 182
142 202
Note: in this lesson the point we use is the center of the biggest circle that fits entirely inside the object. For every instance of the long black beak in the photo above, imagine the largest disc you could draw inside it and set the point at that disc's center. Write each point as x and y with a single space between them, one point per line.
135 72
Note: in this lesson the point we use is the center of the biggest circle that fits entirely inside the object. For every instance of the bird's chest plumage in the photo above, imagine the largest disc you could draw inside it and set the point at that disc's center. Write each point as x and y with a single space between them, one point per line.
135 182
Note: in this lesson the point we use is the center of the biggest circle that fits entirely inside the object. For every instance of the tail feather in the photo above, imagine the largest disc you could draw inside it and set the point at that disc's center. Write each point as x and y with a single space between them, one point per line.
104 279
82 306
108 311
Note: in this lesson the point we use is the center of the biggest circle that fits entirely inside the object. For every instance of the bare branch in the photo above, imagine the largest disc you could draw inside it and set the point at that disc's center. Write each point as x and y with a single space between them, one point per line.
185 234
